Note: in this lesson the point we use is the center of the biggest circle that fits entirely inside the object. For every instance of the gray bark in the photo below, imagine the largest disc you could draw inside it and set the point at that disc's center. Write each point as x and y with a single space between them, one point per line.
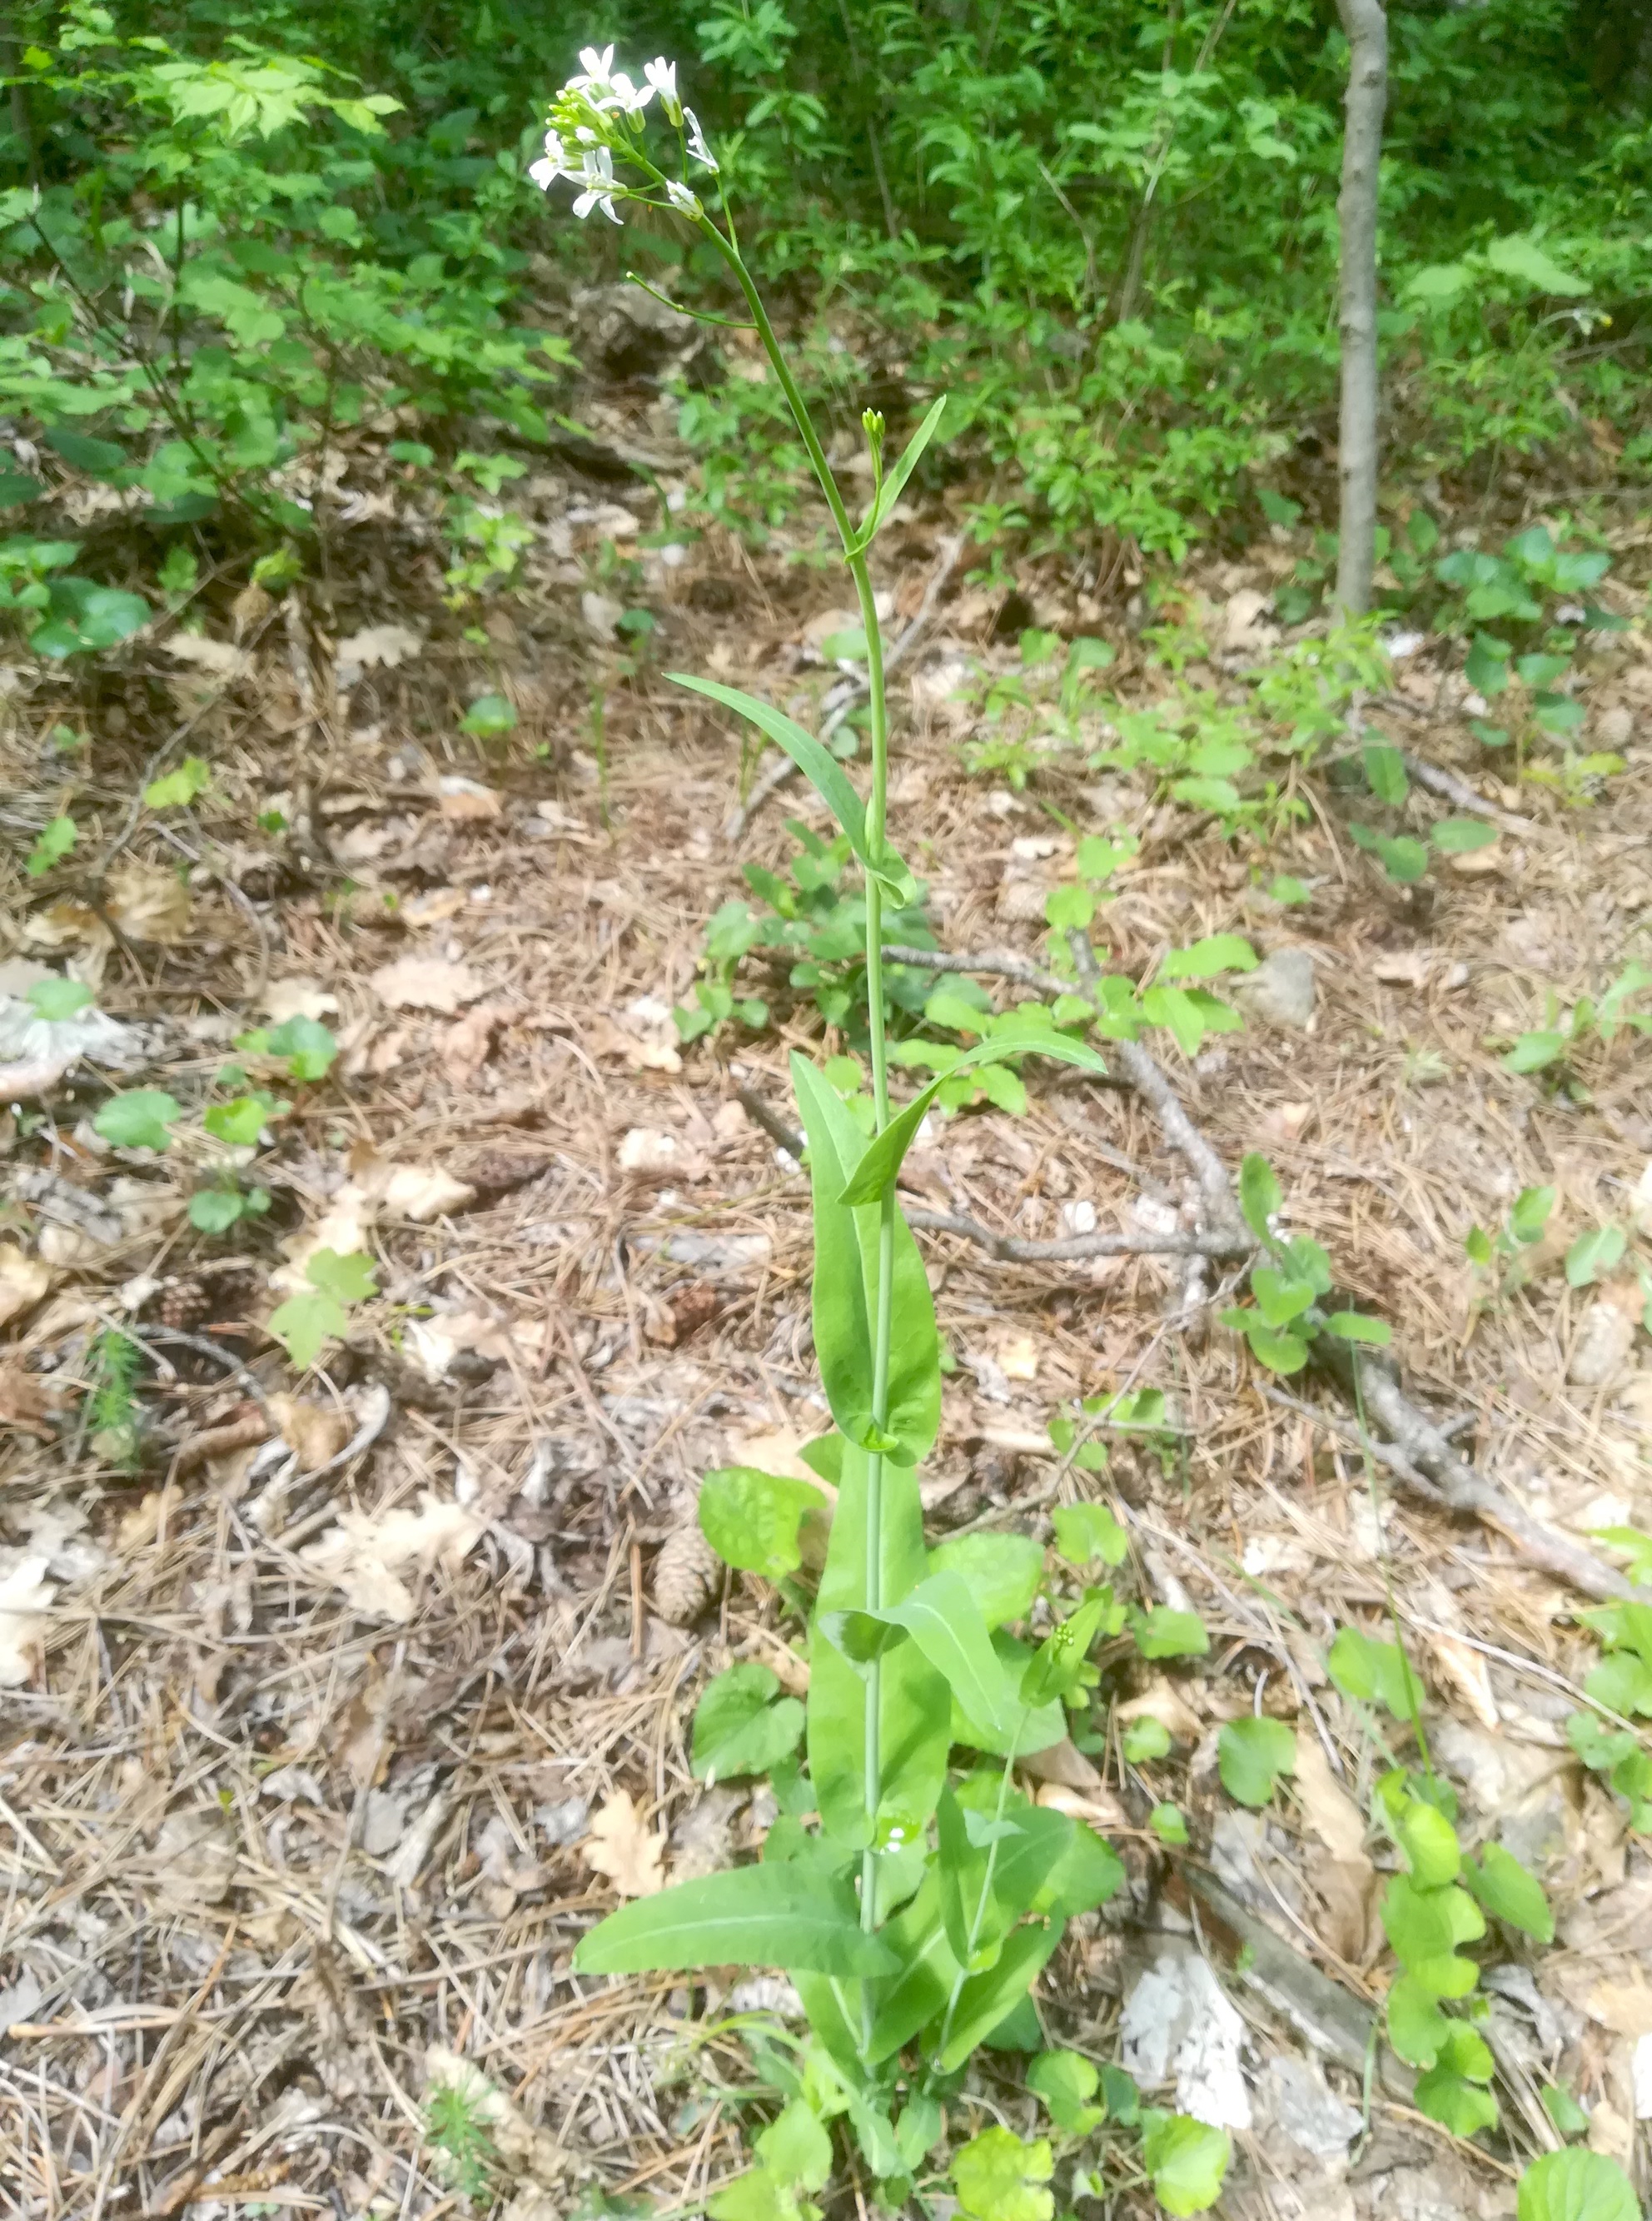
1365 23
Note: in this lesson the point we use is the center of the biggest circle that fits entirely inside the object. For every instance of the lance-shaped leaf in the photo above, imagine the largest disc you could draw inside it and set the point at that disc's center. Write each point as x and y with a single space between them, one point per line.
846 1291
884 1155
820 768
945 1622
768 1916
892 487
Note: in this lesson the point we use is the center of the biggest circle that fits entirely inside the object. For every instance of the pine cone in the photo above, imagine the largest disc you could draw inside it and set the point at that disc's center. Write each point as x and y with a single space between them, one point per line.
183 1305
686 1575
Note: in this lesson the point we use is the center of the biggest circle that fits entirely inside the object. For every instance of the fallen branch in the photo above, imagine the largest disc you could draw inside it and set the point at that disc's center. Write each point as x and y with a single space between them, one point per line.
784 768
1423 1450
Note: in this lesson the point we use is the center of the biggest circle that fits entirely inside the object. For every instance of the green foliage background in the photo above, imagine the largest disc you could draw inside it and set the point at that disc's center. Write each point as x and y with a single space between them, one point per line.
1107 226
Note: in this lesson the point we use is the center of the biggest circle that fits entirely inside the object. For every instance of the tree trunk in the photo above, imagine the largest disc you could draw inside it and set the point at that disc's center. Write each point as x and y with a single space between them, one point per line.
1365 23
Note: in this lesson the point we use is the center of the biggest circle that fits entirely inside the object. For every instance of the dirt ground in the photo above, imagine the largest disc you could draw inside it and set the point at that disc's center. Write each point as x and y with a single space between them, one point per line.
334 1719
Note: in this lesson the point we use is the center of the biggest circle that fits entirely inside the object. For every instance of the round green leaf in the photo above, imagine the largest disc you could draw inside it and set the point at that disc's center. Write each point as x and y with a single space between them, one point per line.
1252 1755
1187 2160
141 1120
1575 2186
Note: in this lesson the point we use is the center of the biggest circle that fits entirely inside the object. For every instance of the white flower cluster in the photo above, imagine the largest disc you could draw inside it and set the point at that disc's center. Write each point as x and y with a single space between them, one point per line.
580 144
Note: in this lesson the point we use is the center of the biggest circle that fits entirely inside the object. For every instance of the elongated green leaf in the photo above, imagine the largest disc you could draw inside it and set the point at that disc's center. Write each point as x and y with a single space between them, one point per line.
944 1620
919 1994
1003 1571
845 1293
818 765
890 492
914 1708
783 1915
880 1161
984 1999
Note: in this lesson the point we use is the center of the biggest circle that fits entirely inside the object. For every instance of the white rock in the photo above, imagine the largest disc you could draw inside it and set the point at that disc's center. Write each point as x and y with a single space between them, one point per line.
645 1149
1281 990
1178 2020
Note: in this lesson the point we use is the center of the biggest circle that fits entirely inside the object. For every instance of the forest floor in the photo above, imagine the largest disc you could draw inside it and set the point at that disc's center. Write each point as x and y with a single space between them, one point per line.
331 1726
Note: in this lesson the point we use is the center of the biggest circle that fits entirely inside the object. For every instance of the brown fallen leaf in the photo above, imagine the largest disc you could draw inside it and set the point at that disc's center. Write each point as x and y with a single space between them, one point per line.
26 1400
297 998
1345 1881
621 1845
314 1433
463 798
387 644
23 1281
427 983
468 1042
421 1193
149 905
364 1554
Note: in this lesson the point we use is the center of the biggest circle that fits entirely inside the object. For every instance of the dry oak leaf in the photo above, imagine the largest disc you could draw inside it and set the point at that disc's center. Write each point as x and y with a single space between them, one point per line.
23 1281
148 904
364 1554
468 1042
297 998
461 798
427 983
387 644
218 657
25 1598
422 1193
622 1846
314 1433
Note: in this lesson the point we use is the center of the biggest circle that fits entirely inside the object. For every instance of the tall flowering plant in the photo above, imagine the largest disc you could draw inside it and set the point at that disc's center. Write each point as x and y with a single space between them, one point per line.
912 1901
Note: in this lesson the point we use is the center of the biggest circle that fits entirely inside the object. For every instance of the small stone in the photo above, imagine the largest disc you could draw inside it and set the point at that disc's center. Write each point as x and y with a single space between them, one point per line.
1605 1340
1281 992
1309 2113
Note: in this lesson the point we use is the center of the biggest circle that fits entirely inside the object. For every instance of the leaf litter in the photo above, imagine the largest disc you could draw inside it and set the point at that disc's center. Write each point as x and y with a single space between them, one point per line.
422 1718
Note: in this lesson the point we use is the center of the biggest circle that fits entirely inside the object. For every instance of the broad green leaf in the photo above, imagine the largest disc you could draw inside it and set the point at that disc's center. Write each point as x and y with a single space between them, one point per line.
738 1726
216 1209
242 1121
1508 1891
306 1323
984 1999
881 1161
1519 256
999 2178
915 1997
1002 1573
1575 2186
1385 772
754 1520
1424 1927
1187 2160
1280 1353
1167 1825
1461 836
1252 1755
818 765
1145 1739
1374 1672
1530 1215
1279 1299
1163 1632
944 1621
52 843
1595 1253
915 1704
1564 2111
1359 1326
349 1278
56 998
1416 2027
1259 1197
890 492
1535 1052
1045 1722
1217 953
1429 1842
796 2147
141 1120
1068 2082
1088 1873
176 790
1486 668
1084 1532
847 1239
768 1916
1457 2103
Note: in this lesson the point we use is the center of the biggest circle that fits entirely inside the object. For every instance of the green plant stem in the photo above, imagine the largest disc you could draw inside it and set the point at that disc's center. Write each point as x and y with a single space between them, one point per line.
877 815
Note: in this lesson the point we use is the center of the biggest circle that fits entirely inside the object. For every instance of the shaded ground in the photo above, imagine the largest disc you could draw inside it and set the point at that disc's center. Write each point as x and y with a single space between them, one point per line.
311 1713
